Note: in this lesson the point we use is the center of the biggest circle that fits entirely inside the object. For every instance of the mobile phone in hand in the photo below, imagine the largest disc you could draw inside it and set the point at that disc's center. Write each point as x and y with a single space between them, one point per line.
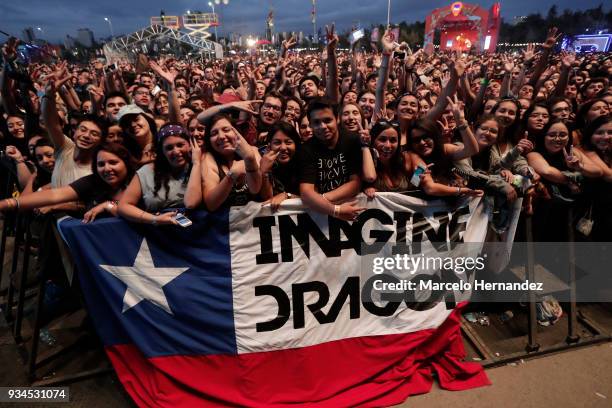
182 220
416 176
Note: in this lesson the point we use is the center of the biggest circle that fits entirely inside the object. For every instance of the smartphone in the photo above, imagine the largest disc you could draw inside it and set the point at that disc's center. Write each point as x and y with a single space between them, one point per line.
400 55
416 176
182 220
156 90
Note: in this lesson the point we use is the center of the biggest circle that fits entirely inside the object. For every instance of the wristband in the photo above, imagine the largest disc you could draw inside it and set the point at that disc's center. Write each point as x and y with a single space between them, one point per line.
336 211
458 191
154 221
462 127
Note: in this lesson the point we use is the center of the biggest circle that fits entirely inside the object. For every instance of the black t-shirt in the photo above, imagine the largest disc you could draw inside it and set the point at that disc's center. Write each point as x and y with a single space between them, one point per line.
92 190
285 179
326 168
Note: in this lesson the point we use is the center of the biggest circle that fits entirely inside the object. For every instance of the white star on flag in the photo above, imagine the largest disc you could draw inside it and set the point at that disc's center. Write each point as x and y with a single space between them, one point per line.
144 281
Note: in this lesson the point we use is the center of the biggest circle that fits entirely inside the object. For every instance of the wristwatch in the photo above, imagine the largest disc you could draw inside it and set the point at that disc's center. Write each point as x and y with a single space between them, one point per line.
289 195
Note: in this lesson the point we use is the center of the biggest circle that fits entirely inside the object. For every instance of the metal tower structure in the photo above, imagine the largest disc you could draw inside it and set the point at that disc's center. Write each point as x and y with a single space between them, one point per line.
131 44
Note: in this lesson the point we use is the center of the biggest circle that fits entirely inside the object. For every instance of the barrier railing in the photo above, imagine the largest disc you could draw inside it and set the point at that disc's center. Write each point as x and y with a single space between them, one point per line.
18 226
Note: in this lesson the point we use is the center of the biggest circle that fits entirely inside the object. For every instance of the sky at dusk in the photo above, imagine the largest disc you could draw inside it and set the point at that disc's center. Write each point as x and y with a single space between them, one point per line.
57 18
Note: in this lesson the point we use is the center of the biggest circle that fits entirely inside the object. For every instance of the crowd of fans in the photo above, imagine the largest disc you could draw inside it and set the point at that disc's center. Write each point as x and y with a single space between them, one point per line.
131 139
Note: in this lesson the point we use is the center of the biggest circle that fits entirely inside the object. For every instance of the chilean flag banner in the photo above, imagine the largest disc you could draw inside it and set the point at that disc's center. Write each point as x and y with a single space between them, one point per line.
258 309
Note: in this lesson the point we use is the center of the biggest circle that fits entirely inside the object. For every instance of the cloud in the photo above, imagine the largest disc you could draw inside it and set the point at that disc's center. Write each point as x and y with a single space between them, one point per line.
61 17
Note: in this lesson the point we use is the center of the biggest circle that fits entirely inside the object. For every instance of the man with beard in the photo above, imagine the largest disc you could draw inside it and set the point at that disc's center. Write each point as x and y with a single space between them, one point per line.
330 164
309 87
270 113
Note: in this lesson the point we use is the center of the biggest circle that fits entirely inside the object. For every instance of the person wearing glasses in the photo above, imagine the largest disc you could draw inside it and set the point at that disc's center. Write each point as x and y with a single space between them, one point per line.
561 166
141 97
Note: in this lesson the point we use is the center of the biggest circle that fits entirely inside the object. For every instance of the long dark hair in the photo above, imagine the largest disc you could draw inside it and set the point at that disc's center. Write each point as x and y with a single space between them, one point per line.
162 171
524 122
119 151
431 129
288 173
587 136
510 133
209 125
396 164
43 177
555 160
341 108
482 159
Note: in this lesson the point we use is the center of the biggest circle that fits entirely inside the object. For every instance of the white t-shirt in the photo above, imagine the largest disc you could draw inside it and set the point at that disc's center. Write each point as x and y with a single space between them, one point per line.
66 169
157 202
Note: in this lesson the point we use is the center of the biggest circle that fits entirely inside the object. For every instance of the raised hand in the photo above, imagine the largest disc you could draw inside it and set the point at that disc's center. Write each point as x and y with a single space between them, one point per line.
446 77
196 151
243 148
568 58
247 106
167 76
332 38
456 107
364 134
552 37
525 146
388 42
267 161
289 43
411 59
529 53
9 48
14 153
508 63
459 66
572 161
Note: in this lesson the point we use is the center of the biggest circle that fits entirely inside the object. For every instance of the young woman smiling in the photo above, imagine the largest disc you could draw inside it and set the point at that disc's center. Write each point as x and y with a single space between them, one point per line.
112 168
172 181
279 165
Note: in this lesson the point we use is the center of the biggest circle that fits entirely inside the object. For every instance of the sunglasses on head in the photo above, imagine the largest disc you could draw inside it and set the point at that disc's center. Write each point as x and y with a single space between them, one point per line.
419 139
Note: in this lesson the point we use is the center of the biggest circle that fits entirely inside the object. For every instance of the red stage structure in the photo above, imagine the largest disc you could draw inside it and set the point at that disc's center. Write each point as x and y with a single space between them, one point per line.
464 27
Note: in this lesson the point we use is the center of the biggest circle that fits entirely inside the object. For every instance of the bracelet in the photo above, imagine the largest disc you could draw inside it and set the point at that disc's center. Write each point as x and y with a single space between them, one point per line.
154 221
462 127
16 203
336 211
458 191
